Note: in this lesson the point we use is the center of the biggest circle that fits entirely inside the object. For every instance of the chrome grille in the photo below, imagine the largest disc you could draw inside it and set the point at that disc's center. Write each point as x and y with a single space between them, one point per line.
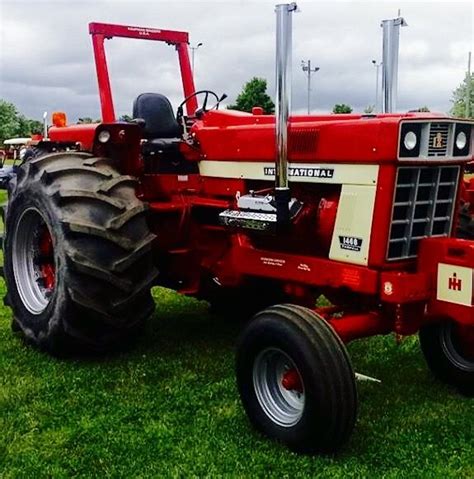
423 207
438 139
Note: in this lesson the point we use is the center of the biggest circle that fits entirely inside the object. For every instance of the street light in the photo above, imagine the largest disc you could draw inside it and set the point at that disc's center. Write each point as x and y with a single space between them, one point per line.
193 49
377 76
306 66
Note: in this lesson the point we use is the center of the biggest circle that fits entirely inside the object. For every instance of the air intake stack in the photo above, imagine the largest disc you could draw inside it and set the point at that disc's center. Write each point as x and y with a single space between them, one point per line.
391 36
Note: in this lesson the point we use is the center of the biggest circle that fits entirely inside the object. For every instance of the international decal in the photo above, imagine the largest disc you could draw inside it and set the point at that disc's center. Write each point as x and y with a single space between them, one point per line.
302 172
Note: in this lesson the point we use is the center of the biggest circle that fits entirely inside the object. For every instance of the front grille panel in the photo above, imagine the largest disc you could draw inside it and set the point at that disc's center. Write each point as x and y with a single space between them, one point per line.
423 207
438 139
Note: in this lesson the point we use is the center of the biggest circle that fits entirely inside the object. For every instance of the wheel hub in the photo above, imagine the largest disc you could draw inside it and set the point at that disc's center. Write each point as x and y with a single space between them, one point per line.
278 387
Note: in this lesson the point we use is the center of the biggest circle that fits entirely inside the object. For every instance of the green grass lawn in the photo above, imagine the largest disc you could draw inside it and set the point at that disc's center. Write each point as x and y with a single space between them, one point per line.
169 407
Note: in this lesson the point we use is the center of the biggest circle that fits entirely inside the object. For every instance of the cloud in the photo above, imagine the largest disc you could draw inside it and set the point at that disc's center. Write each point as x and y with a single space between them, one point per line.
46 60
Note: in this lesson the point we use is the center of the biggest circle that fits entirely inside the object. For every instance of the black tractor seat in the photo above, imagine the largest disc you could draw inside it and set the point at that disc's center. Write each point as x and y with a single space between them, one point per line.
163 134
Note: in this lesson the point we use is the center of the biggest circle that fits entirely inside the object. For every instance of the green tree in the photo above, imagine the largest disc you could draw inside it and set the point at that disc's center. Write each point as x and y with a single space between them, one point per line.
369 109
459 98
86 119
342 108
126 118
254 93
14 124
423 109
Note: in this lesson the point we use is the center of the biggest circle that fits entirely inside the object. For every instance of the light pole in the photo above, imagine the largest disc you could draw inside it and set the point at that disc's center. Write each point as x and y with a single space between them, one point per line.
193 49
306 66
377 76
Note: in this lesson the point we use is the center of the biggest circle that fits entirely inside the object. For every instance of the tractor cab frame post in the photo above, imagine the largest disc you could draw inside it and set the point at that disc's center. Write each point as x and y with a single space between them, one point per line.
101 32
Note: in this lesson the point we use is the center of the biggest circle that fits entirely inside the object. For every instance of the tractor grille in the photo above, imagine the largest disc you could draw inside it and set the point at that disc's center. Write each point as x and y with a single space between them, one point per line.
302 140
438 139
423 207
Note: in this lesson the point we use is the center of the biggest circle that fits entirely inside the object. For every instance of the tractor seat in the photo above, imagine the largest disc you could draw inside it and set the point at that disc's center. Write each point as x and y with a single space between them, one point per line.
161 126
161 152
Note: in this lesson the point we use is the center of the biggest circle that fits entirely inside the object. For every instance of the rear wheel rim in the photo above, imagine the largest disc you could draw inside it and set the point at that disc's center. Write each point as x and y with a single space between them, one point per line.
33 261
283 405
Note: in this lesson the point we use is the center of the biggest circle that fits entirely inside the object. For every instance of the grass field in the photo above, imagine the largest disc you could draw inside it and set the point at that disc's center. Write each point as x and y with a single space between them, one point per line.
169 407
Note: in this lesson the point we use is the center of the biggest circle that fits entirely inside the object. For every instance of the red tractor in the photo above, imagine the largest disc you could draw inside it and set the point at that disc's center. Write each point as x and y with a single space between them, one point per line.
257 214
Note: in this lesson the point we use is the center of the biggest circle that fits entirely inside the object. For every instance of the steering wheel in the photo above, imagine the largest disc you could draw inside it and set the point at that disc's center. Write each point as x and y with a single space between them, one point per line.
206 93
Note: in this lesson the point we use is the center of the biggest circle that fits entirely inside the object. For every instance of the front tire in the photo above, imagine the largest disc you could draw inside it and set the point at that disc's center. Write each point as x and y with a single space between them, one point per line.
295 379
77 248
449 352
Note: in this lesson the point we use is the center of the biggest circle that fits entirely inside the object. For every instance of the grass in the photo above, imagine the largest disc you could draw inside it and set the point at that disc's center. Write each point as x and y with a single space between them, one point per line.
169 407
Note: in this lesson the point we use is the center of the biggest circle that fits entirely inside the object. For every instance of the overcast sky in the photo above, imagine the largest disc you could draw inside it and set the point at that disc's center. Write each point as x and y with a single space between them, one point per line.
46 60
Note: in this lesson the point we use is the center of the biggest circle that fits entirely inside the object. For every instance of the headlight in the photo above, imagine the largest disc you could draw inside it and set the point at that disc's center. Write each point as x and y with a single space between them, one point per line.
410 140
461 140
104 136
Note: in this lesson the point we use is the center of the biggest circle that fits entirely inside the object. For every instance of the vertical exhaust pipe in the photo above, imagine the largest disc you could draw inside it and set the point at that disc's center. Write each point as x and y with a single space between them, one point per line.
391 36
282 109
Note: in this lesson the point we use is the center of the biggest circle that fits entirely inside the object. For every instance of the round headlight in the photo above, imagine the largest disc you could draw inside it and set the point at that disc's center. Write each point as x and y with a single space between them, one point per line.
410 140
461 140
104 136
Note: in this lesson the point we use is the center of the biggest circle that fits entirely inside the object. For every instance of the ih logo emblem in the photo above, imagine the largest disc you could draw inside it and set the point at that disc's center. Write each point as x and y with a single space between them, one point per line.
438 140
454 284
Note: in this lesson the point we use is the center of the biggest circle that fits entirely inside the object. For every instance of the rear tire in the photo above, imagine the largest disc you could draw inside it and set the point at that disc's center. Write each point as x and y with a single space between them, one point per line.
295 379
446 357
78 264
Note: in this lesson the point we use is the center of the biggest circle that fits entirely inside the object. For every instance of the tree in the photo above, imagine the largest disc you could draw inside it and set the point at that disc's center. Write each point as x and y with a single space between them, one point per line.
13 124
126 118
254 94
459 98
342 108
9 123
369 109
423 109
86 119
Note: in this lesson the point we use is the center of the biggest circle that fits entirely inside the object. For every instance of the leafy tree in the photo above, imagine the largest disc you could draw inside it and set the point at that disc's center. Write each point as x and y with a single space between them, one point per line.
13 124
9 123
254 94
368 109
459 98
423 109
342 108
86 119
126 118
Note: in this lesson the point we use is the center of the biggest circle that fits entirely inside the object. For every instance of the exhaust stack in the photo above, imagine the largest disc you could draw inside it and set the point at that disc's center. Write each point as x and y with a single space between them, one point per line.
391 36
282 108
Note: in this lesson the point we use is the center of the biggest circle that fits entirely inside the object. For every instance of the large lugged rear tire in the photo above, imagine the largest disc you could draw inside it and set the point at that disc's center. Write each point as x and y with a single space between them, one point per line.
77 253
295 379
449 353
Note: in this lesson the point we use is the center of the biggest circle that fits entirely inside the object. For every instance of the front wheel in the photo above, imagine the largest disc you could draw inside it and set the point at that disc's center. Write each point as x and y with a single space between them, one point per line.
295 379
449 352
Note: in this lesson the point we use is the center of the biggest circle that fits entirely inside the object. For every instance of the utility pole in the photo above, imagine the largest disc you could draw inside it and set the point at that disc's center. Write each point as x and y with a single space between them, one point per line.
468 87
377 76
306 66
193 49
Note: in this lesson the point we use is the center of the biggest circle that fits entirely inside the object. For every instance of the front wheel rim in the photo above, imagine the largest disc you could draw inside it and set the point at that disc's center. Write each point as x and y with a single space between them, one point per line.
33 261
279 387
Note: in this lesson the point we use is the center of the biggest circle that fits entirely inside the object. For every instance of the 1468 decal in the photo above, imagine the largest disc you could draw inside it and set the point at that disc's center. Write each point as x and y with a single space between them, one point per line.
350 242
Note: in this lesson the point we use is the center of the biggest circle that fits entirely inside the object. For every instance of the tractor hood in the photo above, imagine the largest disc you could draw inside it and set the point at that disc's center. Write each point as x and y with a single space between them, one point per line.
230 135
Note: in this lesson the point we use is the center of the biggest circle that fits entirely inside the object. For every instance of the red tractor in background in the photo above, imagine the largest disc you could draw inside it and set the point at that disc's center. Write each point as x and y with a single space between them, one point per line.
259 212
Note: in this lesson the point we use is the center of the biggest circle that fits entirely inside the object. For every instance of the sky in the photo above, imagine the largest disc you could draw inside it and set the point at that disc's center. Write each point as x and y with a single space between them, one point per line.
46 60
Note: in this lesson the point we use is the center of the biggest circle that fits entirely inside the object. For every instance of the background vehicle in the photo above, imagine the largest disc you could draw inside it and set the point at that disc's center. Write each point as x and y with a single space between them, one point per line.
360 208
